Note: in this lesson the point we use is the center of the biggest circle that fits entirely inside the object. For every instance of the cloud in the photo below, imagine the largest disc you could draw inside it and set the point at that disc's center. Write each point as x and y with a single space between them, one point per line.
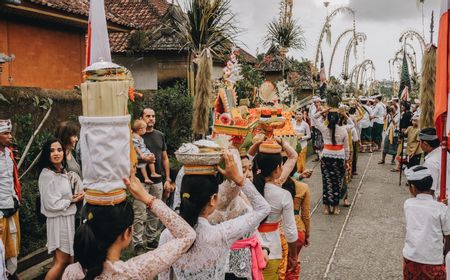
389 10
382 20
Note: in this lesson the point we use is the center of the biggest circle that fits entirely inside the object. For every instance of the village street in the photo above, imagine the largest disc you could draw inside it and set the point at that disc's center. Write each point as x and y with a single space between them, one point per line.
365 241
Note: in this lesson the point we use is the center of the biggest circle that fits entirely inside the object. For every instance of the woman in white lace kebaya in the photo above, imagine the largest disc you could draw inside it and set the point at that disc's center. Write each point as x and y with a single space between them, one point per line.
335 152
208 258
107 230
272 173
247 259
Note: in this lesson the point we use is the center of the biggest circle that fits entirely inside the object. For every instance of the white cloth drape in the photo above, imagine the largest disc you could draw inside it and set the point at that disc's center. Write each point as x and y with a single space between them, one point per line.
105 152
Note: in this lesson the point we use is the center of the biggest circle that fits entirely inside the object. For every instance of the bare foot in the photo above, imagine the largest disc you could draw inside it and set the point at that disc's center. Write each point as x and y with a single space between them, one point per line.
347 203
155 175
326 210
148 181
336 211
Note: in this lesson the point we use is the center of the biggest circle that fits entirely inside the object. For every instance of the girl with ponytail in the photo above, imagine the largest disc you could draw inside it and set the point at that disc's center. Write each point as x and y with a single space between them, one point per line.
335 152
208 257
107 230
270 175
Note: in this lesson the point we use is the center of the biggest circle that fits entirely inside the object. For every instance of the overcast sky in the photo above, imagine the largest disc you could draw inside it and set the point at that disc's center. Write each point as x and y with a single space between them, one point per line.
382 20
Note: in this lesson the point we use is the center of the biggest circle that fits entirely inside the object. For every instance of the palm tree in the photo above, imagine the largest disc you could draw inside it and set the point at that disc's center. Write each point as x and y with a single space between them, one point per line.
208 29
286 35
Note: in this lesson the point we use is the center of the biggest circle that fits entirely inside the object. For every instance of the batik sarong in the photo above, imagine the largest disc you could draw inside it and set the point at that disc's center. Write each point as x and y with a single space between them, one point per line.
290 275
333 171
418 271
317 139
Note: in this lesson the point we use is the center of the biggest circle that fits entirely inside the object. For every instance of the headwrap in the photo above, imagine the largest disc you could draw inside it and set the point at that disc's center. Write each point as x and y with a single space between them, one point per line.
412 174
5 125
316 99
428 134
416 116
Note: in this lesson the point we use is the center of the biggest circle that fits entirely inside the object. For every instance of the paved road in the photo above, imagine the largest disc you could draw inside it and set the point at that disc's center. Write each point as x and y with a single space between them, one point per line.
365 243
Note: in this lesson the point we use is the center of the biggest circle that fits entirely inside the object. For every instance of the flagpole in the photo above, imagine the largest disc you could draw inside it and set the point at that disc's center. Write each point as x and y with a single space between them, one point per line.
444 148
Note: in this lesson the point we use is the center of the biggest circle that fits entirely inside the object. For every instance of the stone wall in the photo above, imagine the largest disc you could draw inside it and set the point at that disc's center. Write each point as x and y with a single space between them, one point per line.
26 100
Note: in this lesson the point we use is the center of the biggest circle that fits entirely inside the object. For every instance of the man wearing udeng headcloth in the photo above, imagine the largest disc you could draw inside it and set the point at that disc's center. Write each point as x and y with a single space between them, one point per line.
9 198
430 144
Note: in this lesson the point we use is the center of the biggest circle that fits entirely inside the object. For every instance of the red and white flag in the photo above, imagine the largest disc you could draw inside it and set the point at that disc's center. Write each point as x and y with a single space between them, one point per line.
441 97
97 40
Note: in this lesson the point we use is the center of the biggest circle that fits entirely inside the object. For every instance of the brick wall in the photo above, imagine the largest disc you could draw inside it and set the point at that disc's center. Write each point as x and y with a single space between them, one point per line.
47 55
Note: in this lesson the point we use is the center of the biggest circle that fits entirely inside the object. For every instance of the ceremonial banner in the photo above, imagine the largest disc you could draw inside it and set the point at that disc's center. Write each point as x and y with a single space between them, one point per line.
405 79
442 89
442 71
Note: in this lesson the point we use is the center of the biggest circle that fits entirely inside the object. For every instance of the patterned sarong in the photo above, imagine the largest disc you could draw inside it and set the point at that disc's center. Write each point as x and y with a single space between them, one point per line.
332 178
317 139
11 240
418 271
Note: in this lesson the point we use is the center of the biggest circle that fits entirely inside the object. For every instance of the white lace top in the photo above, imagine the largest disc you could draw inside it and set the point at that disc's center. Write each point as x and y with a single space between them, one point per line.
148 265
208 257
341 136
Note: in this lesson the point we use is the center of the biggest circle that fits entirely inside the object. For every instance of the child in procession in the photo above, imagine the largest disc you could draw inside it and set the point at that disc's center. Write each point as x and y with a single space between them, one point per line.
427 229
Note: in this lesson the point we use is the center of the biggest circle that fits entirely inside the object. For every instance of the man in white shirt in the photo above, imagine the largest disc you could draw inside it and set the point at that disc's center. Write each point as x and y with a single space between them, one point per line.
315 133
429 143
427 229
9 199
366 125
377 117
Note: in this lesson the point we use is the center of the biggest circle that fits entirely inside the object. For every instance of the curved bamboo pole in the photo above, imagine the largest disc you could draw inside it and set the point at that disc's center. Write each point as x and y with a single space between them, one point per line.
360 37
335 48
412 34
327 25
363 68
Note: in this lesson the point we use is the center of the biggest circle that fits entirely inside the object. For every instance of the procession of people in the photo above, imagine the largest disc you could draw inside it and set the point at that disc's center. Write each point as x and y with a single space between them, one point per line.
247 220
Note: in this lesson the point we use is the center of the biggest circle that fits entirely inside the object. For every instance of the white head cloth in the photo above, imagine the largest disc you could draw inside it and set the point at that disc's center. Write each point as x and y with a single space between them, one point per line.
316 99
412 175
5 125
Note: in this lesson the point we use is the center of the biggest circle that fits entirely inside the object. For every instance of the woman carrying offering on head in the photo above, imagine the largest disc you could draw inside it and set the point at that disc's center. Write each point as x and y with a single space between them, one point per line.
209 255
271 174
58 201
336 151
107 230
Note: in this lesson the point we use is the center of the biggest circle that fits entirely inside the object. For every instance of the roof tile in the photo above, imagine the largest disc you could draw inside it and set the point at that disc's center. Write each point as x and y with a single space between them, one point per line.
81 7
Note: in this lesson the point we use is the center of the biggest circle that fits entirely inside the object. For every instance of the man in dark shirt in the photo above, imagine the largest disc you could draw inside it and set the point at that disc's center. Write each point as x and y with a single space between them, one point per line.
145 222
405 120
